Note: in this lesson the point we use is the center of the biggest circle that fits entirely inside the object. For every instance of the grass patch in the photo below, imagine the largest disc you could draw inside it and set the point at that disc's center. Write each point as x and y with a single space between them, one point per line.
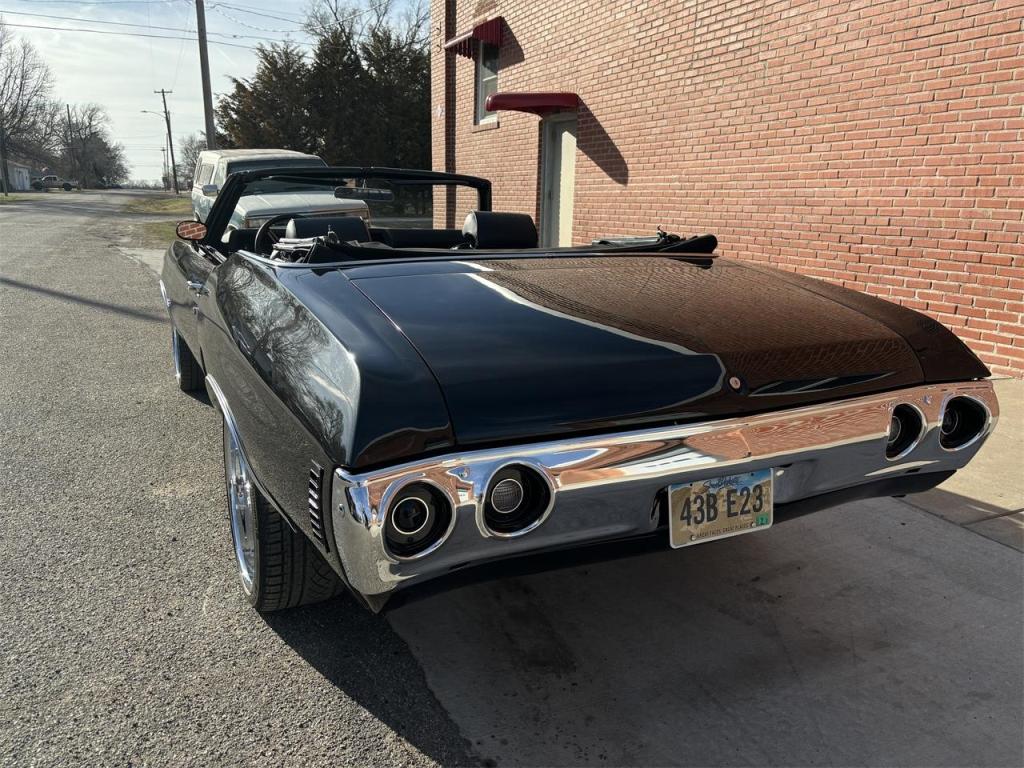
180 205
11 199
157 234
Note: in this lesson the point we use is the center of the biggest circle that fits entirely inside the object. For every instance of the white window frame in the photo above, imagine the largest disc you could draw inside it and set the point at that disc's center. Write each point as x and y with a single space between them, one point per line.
481 78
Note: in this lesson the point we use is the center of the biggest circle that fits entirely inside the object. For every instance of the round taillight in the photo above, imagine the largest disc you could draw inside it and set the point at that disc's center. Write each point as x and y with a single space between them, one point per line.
418 518
963 421
518 498
905 428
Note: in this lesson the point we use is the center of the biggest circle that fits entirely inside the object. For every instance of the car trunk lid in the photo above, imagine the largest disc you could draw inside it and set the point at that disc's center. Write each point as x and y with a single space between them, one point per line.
527 348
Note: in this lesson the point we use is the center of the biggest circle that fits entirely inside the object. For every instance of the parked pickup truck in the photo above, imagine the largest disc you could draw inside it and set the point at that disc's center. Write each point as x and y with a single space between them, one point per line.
55 182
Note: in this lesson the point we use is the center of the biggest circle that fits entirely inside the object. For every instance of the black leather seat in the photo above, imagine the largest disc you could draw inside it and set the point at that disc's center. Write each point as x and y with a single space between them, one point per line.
347 228
418 238
241 240
489 229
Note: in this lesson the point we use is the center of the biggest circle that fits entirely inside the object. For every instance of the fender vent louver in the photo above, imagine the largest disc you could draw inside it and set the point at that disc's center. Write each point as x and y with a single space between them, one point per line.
316 509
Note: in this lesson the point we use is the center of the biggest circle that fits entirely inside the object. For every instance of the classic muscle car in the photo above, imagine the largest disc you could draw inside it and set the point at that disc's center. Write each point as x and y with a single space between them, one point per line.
406 407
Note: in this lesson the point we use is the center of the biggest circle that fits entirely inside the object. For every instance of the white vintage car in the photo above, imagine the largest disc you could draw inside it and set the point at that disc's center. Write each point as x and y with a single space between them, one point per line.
251 211
215 165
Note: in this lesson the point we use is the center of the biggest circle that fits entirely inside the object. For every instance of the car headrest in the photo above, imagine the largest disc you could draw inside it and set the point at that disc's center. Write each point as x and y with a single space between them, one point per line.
488 229
346 227
241 240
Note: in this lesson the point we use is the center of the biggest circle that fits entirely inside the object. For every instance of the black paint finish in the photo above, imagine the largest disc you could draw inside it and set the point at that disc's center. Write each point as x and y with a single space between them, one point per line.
535 348
374 364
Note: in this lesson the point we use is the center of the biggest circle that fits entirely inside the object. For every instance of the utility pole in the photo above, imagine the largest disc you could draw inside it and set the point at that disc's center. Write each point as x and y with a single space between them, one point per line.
204 68
5 177
71 147
170 141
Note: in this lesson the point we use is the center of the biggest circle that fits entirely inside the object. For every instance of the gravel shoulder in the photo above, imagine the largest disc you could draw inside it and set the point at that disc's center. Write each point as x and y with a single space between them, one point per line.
125 638
876 633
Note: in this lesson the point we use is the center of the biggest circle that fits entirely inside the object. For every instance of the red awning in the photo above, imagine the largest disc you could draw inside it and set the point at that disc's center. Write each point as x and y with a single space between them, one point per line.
486 32
538 103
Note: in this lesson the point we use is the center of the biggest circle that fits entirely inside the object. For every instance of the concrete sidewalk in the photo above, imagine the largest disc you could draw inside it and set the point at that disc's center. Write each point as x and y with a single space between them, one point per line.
987 497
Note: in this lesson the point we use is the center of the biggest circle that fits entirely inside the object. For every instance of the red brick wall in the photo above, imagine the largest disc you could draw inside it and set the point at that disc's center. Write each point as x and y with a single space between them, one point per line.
878 144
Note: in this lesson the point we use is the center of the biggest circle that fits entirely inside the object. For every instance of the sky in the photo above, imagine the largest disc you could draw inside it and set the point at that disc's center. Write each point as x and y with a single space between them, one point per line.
120 72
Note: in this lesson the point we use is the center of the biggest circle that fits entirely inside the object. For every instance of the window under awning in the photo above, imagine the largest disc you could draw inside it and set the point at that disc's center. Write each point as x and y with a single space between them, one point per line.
486 32
538 103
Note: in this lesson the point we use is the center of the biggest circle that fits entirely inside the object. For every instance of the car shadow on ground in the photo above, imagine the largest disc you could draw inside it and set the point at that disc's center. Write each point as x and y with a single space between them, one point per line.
823 641
360 654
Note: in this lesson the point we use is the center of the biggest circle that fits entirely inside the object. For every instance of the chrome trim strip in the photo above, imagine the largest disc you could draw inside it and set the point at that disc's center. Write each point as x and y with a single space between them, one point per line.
603 486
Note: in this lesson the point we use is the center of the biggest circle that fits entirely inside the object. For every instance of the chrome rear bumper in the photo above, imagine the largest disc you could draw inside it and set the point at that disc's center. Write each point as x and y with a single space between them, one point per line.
605 487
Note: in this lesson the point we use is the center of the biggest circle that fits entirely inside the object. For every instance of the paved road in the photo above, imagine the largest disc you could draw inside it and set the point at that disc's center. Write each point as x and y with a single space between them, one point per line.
875 633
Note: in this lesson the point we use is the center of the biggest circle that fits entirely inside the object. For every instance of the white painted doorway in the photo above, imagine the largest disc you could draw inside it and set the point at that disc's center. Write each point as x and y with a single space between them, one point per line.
558 179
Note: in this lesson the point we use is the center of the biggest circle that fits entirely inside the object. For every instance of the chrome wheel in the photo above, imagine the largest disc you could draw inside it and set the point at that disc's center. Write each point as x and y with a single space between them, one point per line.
241 507
175 342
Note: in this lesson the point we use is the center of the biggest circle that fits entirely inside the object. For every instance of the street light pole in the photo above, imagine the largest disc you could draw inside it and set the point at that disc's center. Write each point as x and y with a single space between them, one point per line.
170 141
204 69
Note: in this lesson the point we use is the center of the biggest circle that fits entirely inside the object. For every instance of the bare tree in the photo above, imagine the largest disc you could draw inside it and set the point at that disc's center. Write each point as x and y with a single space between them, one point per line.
26 111
365 18
87 152
189 148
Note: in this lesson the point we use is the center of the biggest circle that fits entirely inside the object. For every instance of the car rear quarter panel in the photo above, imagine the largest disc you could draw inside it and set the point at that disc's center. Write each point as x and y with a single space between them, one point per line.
301 392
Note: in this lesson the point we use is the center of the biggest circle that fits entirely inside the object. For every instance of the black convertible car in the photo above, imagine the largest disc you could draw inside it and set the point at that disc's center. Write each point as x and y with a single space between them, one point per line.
403 402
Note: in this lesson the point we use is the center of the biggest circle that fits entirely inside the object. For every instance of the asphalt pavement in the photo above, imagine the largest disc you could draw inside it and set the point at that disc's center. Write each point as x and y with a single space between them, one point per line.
878 633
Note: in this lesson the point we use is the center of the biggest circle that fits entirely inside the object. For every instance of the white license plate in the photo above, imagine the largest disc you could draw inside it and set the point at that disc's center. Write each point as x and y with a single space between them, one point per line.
718 507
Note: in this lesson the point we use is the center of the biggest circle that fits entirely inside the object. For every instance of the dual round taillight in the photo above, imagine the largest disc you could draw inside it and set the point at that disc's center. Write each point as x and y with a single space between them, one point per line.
518 498
905 428
418 518
963 421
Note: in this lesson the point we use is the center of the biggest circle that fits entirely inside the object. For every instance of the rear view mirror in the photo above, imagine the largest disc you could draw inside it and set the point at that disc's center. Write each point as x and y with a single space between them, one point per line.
364 193
210 190
190 230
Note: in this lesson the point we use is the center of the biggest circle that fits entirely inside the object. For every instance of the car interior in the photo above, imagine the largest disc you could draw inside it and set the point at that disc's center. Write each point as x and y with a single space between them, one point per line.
324 239
482 230
399 222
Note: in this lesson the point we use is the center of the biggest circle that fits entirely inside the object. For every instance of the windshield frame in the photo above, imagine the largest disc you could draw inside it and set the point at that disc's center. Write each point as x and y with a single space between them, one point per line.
234 187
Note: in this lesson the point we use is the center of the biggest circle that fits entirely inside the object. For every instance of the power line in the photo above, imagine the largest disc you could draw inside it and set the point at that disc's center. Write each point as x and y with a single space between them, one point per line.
121 34
103 2
256 13
259 12
229 17
144 26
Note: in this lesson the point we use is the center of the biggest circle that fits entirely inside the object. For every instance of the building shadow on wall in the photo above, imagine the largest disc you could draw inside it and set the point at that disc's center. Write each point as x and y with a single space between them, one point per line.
511 50
594 142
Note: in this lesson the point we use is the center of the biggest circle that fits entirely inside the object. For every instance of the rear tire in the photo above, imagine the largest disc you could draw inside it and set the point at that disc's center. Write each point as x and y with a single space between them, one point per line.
187 370
278 567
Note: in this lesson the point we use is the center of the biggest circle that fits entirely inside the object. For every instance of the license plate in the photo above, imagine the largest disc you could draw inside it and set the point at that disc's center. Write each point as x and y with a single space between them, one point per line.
719 507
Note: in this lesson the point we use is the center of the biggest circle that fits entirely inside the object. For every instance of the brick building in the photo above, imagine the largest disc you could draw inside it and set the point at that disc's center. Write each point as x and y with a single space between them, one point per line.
877 144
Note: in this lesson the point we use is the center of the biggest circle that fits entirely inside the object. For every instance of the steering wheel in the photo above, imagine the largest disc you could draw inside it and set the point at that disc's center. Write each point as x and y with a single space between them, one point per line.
265 239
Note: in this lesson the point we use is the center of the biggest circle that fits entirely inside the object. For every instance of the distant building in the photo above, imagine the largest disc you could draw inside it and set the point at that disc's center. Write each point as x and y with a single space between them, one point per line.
20 176
876 145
